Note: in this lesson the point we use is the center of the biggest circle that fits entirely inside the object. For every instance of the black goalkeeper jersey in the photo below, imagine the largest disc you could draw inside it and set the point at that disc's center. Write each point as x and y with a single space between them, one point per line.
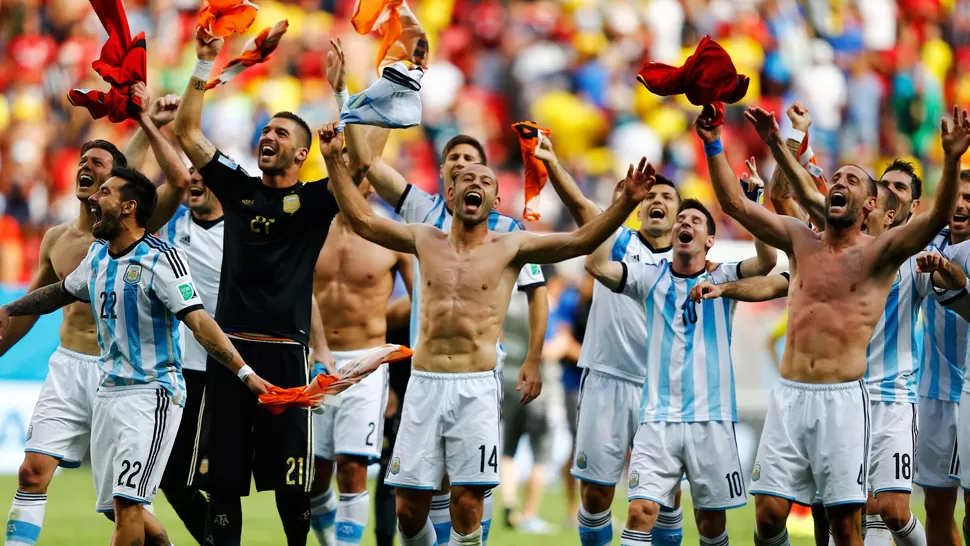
272 239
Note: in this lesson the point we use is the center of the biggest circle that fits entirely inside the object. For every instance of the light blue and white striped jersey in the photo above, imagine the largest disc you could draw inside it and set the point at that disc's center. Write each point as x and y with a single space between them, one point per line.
616 336
945 341
202 242
690 376
896 348
138 298
418 207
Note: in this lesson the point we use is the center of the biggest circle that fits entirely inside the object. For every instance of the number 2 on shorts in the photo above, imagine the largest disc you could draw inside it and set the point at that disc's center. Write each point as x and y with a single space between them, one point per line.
128 466
492 459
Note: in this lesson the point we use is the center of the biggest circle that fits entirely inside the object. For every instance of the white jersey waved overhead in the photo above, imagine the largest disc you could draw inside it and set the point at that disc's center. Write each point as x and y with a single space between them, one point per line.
418 207
138 298
689 375
202 242
616 338
945 347
896 349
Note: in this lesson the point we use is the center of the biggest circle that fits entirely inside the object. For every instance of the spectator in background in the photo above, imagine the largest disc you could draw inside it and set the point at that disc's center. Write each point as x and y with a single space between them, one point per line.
519 420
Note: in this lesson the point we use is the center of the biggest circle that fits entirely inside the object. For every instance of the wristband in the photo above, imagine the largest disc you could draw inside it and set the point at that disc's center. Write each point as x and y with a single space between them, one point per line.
798 135
711 149
342 97
244 372
806 156
202 70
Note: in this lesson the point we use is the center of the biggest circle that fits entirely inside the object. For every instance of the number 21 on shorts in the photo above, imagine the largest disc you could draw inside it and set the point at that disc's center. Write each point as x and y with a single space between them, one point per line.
294 463
492 459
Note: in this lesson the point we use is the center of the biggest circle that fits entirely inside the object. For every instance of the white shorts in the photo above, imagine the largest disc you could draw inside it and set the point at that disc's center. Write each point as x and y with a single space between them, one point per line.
132 436
61 423
963 441
893 453
450 423
707 452
936 447
815 438
607 422
356 426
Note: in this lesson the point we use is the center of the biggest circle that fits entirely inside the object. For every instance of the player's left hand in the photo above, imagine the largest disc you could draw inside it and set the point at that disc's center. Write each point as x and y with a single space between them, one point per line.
336 74
928 262
331 142
764 123
545 152
140 91
162 110
257 384
956 139
325 358
638 182
530 382
705 291
752 181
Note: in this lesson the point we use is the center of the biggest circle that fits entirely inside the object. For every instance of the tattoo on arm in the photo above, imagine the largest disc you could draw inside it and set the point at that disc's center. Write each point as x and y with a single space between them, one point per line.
41 301
218 352
157 540
205 150
198 85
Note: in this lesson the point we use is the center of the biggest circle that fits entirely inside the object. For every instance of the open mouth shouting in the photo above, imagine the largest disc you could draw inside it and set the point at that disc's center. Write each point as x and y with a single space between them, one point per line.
267 150
685 237
838 201
473 201
656 214
960 218
97 216
85 180
196 191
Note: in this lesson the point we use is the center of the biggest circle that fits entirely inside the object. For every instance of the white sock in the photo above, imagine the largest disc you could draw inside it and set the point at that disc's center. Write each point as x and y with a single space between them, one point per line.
595 529
629 537
352 513
877 534
25 519
323 514
471 539
440 516
779 540
912 534
487 509
425 536
721 540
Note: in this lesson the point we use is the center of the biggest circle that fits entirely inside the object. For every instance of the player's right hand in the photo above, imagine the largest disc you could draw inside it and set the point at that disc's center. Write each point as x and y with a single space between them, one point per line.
928 262
764 123
331 142
705 291
336 73
801 120
257 384
753 180
163 109
140 91
4 321
638 182
544 151
207 46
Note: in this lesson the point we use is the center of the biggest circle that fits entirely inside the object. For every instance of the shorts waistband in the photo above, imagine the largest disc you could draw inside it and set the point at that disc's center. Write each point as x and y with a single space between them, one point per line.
822 387
350 355
76 355
439 376
257 339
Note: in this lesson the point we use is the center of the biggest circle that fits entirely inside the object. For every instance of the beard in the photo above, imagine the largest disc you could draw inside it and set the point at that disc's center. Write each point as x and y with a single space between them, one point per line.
108 229
846 220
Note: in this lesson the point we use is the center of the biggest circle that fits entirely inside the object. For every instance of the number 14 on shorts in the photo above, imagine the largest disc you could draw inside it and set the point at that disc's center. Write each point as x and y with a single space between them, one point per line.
492 458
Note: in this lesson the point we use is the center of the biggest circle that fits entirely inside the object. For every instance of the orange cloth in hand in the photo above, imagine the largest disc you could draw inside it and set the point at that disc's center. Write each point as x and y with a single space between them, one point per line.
403 38
257 50
279 399
220 18
535 171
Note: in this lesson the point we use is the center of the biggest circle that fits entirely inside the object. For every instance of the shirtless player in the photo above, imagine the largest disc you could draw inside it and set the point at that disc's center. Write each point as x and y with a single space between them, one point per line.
451 415
834 305
352 282
60 425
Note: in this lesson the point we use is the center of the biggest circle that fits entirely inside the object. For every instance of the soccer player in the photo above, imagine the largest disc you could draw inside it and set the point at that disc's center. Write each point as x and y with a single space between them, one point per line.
353 281
687 410
60 426
451 413
140 288
612 359
833 310
364 145
275 226
197 229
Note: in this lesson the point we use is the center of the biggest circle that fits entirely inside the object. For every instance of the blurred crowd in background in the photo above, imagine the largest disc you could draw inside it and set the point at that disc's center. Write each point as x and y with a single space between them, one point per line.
875 74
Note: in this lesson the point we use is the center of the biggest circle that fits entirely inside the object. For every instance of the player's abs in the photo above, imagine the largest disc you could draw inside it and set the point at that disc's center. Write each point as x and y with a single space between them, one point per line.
826 343
79 333
354 318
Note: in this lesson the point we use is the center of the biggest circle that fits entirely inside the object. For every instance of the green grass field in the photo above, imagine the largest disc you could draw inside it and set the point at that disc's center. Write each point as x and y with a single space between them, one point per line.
71 520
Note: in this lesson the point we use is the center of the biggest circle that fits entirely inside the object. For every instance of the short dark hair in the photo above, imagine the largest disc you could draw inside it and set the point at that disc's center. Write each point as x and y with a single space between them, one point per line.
662 180
118 159
299 121
697 205
465 139
892 202
908 169
137 188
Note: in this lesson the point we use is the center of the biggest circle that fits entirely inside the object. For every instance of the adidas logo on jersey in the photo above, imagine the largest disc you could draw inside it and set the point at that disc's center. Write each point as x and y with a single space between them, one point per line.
247 202
185 240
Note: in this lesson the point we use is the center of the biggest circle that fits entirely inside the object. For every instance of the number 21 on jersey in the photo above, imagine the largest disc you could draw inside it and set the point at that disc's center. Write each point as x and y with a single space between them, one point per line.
260 224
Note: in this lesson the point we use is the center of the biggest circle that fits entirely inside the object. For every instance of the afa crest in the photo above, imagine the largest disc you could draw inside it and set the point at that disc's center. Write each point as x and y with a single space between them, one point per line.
291 203
581 460
756 473
204 466
395 465
133 274
634 479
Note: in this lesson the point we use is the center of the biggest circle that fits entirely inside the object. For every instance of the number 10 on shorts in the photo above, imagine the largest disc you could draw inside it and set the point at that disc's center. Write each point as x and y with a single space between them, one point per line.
492 458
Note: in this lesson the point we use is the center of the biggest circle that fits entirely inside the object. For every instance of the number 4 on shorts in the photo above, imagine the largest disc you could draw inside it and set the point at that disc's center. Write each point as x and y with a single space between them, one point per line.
492 459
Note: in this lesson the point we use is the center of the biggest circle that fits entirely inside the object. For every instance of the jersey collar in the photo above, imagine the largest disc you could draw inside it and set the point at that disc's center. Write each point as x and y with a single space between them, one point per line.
206 224
650 247
127 250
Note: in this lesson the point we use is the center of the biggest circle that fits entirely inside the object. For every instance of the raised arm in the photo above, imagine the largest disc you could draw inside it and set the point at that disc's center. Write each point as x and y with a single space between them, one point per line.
906 240
39 302
945 274
396 236
215 342
764 261
188 119
162 112
763 224
45 275
580 207
753 289
545 249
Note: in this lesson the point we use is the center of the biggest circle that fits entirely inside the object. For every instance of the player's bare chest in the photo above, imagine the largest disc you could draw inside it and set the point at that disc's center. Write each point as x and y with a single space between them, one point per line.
348 258
446 271
69 251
